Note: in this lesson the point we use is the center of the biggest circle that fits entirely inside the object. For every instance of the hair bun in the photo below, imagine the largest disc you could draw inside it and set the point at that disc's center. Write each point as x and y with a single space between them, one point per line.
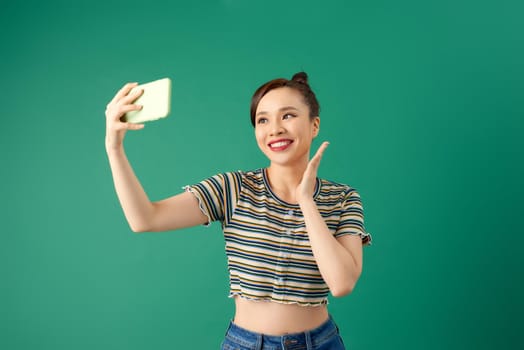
300 77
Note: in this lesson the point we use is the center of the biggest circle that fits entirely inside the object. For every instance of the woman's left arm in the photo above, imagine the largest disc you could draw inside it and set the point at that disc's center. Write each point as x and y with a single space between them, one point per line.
339 259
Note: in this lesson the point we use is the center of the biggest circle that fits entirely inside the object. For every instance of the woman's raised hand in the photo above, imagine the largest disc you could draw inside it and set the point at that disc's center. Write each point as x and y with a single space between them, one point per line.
115 110
306 188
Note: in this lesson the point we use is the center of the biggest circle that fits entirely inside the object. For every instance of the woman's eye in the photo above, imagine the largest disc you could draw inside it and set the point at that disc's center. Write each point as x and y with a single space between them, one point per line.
287 116
261 121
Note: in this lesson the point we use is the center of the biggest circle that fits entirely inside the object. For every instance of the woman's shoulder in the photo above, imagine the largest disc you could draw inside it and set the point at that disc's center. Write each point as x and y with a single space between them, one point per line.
333 188
252 177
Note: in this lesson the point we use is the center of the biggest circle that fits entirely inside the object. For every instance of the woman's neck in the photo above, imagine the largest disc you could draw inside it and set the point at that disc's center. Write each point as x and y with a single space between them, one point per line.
284 180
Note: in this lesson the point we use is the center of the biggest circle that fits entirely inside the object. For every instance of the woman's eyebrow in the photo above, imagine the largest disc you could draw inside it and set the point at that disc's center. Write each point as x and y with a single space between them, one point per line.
280 110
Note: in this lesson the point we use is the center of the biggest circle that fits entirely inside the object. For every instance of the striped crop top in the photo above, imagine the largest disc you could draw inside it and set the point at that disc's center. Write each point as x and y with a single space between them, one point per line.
267 246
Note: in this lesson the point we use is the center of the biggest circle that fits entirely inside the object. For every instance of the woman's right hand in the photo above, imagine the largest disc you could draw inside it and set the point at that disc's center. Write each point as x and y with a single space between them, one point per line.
178 211
115 110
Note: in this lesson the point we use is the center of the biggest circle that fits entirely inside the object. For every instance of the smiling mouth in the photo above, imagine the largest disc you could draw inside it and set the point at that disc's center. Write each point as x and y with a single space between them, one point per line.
280 145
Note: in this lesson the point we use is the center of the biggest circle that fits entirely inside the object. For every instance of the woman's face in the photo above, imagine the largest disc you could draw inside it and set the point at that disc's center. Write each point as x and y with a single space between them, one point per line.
283 128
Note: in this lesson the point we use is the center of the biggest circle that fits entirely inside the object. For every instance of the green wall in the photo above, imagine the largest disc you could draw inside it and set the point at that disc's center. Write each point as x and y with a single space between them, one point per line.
422 103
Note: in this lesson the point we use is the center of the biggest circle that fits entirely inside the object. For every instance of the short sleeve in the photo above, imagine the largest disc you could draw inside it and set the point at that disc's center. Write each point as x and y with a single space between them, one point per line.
217 196
210 196
352 218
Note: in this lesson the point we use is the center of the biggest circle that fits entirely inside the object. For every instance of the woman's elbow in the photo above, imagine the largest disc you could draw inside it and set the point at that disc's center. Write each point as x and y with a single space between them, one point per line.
142 224
139 228
343 288
341 291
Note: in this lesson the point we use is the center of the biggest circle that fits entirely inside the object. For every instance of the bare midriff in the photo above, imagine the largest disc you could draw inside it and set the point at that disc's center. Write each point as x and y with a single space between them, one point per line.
274 318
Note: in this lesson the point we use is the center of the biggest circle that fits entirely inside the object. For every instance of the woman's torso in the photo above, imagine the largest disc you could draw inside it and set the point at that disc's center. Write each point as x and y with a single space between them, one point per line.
277 319
270 259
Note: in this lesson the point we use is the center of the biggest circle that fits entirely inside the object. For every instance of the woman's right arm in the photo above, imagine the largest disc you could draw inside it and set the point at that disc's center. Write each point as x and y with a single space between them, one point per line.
172 213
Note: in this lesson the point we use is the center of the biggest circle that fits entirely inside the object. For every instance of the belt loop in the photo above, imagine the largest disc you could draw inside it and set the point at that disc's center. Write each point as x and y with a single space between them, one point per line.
258 345
309 343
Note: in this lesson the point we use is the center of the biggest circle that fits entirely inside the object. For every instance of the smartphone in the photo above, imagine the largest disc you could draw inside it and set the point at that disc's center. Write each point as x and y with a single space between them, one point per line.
155 102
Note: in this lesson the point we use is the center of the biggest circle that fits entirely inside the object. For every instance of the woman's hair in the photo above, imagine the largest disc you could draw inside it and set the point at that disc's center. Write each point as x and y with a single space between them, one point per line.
298 82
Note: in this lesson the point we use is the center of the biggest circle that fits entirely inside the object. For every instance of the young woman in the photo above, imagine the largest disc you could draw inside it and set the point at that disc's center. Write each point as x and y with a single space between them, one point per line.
290 237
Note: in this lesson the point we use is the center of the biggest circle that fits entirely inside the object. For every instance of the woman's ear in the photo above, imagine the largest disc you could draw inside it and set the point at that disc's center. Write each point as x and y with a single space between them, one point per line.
316 126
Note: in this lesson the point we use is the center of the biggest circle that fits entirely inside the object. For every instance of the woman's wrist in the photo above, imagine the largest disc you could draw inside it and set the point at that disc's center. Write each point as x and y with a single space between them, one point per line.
112 146
306 202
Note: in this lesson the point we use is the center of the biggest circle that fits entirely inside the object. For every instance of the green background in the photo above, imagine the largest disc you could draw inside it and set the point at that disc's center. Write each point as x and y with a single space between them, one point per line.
421 101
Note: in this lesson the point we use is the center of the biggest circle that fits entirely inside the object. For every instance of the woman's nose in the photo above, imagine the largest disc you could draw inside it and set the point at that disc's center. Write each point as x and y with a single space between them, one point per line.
276 129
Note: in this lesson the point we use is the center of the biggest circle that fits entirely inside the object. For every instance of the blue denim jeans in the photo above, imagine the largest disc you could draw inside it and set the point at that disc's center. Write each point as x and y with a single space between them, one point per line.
324 337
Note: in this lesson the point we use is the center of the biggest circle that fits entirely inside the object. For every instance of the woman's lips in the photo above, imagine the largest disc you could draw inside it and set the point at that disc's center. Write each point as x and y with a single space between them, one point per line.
279 145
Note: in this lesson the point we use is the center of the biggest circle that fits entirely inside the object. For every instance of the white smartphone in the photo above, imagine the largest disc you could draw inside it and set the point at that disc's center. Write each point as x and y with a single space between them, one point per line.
155 101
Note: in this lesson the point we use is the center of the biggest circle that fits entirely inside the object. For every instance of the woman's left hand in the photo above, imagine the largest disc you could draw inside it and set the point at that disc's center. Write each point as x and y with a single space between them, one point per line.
306 188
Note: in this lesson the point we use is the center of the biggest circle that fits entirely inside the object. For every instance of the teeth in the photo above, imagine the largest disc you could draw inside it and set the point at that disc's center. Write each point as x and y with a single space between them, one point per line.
280 144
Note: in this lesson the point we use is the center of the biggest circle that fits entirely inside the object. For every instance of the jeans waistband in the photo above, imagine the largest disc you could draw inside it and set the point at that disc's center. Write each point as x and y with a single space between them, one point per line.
303 340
